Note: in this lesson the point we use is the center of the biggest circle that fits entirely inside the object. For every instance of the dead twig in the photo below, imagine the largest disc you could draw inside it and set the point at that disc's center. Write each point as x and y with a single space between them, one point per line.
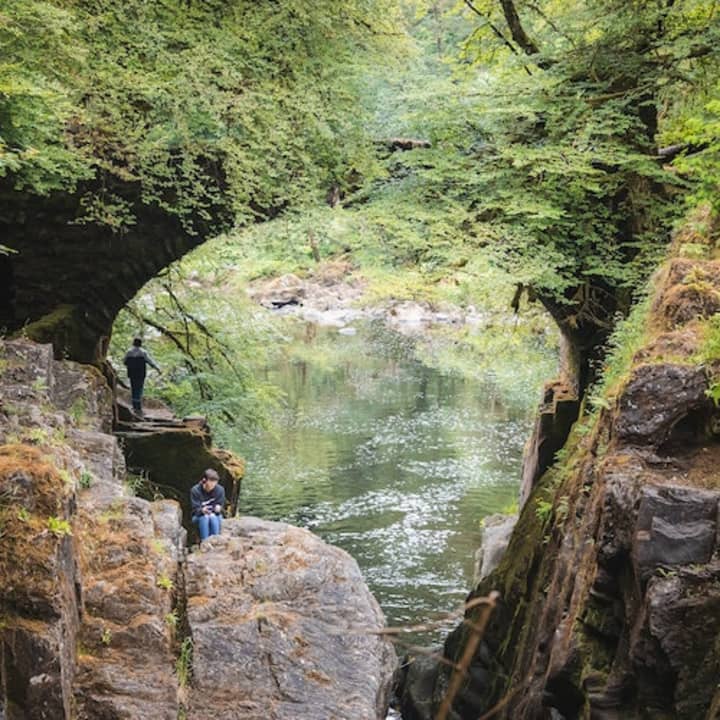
487 605
498 706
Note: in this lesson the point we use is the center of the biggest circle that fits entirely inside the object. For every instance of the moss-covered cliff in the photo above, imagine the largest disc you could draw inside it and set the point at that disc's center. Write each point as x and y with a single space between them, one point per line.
610 586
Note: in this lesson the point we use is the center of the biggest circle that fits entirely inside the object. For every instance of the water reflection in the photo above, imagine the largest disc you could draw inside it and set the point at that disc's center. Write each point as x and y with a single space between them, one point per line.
391 460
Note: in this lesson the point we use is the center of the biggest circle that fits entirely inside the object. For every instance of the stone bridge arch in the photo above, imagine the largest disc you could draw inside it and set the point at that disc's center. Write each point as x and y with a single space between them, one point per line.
66 281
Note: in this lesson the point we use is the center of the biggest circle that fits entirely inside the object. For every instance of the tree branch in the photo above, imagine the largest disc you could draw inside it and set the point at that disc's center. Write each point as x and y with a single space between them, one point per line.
497 32
516 29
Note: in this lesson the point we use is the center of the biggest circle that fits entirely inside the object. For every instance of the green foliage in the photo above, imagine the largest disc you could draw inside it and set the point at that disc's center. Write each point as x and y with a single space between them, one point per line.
78 411
243 105
41 56
709 353
713 392
544 148
697 127
183 665
38 436
211 344
66 477
86 479
164 582
58 527
629 336
710 348
543 510
136 483
39 385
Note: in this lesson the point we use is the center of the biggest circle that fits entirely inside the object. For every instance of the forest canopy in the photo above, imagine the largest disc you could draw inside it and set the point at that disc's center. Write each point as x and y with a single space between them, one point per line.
249 105
565 140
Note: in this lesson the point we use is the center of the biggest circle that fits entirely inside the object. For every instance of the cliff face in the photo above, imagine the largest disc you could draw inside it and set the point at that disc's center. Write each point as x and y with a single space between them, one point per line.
101 610
611 583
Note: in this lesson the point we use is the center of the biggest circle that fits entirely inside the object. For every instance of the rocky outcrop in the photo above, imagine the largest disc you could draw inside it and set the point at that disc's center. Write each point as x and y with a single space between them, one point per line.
611 582
87 570
172 453
557 412
95 619
282 627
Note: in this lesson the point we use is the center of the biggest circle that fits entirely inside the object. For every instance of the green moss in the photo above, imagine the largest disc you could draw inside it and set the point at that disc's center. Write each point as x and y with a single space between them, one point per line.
62 328
629 336
709 350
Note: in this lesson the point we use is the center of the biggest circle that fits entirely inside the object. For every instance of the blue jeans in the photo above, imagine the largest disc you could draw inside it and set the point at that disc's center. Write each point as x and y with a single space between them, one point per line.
208 525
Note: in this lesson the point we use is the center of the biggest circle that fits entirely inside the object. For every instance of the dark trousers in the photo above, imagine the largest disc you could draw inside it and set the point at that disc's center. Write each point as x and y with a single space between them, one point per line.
137 382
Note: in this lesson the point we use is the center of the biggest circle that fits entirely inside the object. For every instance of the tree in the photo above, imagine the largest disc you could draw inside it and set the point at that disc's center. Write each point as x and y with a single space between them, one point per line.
551 146
245 105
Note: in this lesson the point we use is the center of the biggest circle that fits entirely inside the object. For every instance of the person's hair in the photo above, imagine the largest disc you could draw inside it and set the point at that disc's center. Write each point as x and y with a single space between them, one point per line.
137 341
210 474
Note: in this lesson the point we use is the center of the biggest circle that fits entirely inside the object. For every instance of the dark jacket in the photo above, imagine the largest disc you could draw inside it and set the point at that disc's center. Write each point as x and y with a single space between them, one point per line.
200 499
136 360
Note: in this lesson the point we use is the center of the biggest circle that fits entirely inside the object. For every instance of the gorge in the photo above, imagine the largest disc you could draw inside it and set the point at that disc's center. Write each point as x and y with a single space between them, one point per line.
516 178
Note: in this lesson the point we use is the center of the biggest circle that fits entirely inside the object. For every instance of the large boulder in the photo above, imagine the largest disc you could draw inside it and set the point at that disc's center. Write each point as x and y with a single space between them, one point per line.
283 628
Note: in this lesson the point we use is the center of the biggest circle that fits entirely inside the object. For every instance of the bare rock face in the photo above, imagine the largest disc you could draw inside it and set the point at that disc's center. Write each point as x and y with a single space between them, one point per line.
656 399
282 628
129 557
87 572
38 598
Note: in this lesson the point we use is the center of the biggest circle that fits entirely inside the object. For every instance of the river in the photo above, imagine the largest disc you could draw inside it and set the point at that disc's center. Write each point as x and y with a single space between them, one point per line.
392 460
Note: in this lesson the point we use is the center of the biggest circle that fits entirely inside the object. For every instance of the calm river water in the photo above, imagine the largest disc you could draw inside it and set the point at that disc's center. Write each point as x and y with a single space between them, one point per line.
392 460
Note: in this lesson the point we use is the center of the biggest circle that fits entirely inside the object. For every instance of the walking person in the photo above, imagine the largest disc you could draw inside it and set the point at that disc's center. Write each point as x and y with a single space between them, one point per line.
207 499
136 361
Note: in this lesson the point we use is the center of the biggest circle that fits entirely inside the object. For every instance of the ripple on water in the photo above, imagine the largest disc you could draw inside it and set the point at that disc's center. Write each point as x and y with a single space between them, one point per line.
392 461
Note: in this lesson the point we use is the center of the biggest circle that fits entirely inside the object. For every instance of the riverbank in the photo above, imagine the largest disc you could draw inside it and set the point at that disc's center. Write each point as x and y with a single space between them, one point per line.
337 296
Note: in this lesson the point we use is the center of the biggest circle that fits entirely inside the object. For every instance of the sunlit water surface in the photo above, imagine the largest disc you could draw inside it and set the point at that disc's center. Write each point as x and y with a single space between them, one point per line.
391 460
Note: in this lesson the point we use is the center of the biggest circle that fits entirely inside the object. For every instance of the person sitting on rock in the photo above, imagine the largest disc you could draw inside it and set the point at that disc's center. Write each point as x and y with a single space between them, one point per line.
208 499
136 361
